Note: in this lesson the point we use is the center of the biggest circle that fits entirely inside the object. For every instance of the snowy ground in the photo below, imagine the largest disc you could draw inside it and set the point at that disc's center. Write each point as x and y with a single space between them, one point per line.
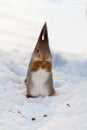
20 24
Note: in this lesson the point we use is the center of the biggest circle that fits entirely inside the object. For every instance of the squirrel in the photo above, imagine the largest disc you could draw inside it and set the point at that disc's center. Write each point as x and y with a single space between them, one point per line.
39 79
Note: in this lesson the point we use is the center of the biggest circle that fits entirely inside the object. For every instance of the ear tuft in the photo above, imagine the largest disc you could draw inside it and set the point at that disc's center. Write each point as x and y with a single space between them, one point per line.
44 33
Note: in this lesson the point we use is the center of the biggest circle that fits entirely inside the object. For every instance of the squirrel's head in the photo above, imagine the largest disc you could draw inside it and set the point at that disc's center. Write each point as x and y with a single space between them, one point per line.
42 50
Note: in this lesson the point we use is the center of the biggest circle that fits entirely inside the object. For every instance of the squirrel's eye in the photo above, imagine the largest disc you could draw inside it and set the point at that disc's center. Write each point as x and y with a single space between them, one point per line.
37 50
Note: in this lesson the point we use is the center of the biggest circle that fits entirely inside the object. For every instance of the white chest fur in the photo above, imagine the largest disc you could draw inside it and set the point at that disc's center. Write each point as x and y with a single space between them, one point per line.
39 79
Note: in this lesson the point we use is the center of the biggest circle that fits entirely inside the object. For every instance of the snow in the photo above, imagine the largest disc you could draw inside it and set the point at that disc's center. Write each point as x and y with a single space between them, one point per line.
20 25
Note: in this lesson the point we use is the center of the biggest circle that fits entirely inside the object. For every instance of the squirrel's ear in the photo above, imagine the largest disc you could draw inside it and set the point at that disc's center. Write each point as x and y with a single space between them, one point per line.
44 33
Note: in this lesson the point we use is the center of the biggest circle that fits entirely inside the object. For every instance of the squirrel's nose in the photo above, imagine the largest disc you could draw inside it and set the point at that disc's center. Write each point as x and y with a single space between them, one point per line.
43 59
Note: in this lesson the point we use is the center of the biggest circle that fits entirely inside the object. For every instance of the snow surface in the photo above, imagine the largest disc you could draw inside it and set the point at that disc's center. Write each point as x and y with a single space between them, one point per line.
20 25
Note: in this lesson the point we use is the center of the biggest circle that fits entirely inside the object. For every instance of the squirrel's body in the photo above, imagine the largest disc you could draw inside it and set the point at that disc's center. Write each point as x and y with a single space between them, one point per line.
39 87
39 81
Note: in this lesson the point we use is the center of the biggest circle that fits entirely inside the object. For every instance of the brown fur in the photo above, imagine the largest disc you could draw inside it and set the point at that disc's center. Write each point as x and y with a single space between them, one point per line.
40 64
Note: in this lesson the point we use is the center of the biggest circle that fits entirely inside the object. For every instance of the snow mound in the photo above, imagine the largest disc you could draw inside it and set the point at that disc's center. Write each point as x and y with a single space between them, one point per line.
66 110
